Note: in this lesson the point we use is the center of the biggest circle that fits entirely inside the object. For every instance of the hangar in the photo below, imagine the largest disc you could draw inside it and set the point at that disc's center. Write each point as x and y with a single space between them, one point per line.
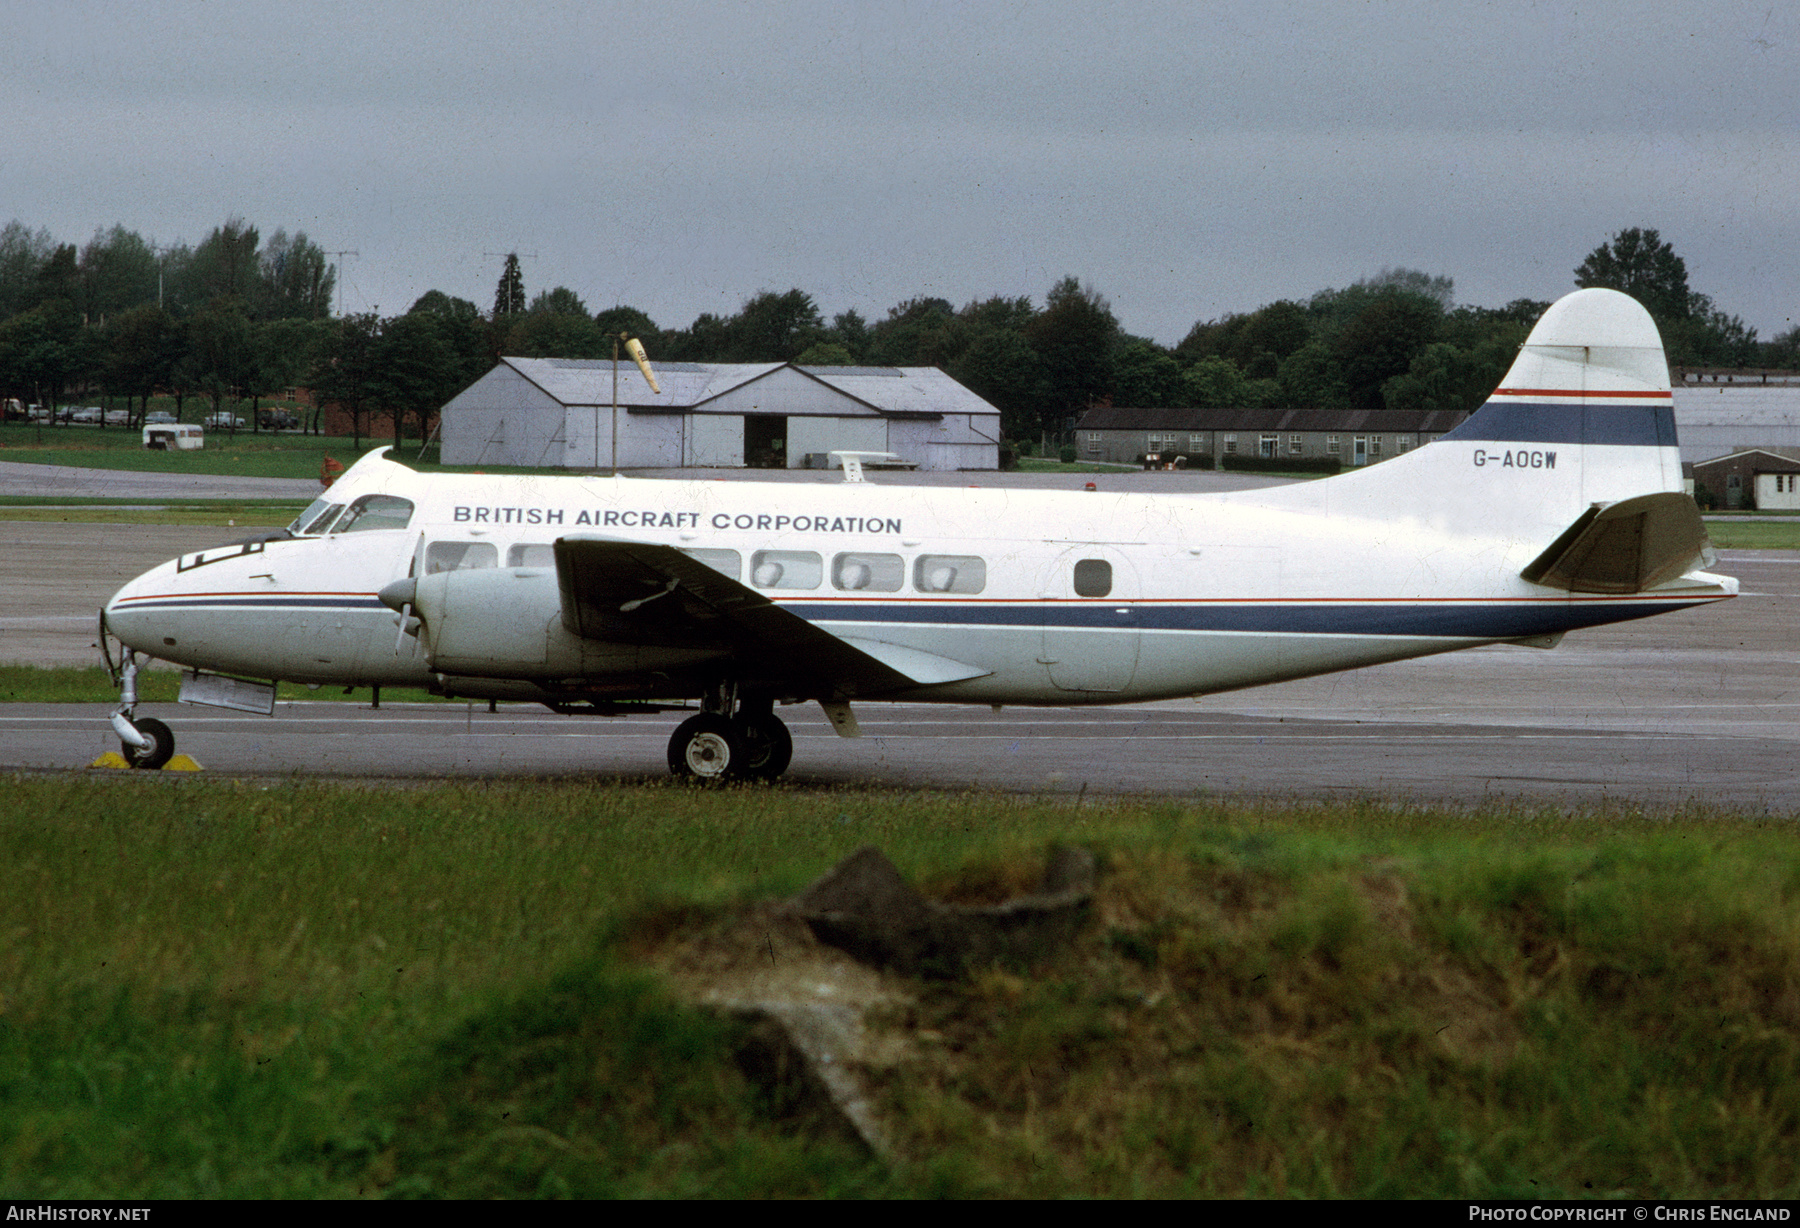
1721 411
558 413
1353 437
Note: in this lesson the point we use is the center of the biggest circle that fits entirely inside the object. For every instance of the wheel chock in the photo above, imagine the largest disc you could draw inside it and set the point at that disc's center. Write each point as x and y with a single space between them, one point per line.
182 763
111 759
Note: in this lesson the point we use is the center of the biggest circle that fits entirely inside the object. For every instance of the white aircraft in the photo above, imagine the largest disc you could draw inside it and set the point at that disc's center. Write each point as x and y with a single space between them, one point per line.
1557 506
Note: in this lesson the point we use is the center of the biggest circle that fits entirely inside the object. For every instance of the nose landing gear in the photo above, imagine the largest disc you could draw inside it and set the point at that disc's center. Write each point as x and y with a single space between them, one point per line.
145 741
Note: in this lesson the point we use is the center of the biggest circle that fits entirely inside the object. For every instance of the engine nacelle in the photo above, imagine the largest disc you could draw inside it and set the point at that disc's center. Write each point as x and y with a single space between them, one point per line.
507 623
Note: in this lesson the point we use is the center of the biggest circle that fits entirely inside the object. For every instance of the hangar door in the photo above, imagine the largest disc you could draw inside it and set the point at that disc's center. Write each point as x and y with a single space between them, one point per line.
765 441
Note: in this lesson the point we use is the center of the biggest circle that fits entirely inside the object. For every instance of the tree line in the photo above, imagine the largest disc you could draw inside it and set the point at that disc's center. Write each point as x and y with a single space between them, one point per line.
238 318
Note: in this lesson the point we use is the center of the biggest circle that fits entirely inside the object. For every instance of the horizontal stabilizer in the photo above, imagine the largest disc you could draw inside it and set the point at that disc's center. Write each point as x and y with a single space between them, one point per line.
1625 547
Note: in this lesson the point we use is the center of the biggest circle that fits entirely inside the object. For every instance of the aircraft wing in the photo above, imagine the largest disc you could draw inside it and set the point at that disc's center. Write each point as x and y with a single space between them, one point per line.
629 592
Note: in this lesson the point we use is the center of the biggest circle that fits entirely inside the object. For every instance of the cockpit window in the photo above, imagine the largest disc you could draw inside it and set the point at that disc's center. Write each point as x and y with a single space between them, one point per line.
316 517
375 512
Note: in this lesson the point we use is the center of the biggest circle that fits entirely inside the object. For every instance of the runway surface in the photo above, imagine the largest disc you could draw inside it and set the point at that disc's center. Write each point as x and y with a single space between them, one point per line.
1697 706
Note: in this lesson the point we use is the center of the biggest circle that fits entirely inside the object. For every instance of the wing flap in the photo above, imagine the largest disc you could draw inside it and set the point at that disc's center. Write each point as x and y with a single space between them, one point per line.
642 593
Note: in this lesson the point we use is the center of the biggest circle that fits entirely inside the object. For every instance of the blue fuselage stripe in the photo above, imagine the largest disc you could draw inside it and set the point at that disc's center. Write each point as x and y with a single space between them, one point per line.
1497 620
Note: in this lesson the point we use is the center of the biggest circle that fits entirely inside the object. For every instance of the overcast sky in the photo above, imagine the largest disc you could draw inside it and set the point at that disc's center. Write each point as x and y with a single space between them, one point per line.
1185 159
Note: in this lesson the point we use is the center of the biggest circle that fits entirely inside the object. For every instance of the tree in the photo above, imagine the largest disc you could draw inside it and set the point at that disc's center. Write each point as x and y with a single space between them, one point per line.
297 280
117 272
344 368
561 301
509 295
1002 369
1075 336
225 266
22 253
141 347
1640 264
773 327
1381 340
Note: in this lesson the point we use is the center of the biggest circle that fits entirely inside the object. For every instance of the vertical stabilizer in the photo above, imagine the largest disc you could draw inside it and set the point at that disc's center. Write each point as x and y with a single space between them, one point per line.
1591 382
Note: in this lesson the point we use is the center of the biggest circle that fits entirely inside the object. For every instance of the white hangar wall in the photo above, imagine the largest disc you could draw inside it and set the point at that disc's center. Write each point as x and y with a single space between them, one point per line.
558 413
1718 413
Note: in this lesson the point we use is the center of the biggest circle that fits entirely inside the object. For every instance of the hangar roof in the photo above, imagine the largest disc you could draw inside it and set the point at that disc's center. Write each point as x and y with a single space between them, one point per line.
1111 418
902 392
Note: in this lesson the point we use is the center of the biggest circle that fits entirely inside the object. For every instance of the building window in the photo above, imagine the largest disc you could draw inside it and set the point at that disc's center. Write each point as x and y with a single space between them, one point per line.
1293 445
1374 445
1403 443
1196 443
1333 445
1231 445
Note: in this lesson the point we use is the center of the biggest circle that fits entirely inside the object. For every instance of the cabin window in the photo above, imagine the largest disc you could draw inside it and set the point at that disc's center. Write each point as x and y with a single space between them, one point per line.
786 569
316 517
878 573
1196 443
1294 445
531 554
1374 445
1231 445
375 512
726 562
1093 578
460 556
949 573
1334 444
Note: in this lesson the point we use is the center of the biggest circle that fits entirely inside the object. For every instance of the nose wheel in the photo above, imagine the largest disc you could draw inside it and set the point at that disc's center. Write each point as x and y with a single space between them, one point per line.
159 747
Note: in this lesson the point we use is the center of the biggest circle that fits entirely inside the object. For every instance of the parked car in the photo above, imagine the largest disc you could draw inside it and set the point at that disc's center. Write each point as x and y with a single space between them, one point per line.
118 417
277 420
161 417
224 421
82 413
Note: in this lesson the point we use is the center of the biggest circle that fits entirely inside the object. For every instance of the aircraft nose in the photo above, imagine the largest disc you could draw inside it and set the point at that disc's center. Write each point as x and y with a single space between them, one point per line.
126 618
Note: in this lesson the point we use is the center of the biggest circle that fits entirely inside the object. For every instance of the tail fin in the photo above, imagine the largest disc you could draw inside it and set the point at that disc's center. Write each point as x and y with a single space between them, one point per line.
1590 385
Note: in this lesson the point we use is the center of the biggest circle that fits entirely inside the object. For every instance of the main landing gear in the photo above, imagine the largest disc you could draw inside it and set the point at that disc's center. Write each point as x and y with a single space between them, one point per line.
721 744
145 741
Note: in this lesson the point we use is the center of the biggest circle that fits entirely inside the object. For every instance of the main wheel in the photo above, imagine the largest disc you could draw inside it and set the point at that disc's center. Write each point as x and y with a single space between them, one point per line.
160 750
768 746
707 748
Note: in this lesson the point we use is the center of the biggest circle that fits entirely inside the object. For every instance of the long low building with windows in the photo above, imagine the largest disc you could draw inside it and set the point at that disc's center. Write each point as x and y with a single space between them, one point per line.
1353 437
558 413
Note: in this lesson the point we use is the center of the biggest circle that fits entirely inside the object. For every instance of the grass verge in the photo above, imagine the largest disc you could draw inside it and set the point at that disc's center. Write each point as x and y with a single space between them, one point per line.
246 989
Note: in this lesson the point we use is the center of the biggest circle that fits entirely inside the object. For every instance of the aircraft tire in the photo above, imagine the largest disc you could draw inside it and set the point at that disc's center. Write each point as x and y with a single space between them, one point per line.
706 748
160 750
768 746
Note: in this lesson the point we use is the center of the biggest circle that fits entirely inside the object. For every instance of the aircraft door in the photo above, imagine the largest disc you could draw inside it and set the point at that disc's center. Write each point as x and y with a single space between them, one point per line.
1091 629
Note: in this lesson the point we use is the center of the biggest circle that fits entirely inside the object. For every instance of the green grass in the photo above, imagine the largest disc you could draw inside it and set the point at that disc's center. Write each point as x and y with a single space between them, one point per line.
261 455
271 989
1754 535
